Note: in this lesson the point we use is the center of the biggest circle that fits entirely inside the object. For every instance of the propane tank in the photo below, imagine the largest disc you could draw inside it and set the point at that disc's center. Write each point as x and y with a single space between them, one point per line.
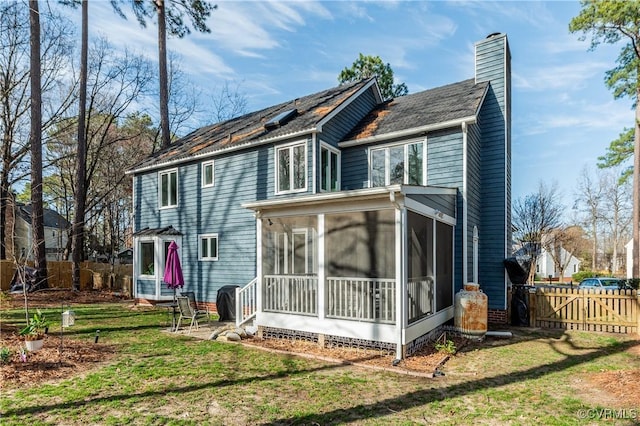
471 311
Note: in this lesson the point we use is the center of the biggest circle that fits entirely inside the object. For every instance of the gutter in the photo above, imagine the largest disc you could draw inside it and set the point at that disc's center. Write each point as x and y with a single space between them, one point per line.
408 132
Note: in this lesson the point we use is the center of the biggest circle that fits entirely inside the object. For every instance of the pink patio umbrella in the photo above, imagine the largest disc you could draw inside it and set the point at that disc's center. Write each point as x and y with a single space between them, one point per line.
172 269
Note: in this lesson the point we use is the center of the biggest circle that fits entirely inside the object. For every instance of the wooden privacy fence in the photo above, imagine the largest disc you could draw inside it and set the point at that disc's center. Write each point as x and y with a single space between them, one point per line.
93 276
614 311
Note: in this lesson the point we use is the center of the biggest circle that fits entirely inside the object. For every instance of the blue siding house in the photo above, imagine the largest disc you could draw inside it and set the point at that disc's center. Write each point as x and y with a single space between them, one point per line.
341 216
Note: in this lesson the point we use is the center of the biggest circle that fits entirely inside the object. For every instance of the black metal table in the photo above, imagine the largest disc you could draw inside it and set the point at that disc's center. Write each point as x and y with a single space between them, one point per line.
172 306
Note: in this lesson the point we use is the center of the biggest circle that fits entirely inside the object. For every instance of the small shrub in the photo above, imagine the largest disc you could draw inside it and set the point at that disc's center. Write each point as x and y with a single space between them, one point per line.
5 355
446 346
634 283
581 275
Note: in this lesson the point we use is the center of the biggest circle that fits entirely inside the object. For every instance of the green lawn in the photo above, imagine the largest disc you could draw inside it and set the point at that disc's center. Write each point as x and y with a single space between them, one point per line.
157 378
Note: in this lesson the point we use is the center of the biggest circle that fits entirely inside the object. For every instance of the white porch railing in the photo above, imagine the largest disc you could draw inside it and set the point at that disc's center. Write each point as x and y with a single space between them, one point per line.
290 294
246 302
361 299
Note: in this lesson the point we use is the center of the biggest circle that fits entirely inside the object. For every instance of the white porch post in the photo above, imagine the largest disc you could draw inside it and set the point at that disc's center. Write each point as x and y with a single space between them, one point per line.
258 265
400 246
322 274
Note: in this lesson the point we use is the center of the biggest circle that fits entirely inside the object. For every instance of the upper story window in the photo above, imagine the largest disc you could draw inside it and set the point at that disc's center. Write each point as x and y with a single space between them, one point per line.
329 169
291 168
207 174
398 164
168 188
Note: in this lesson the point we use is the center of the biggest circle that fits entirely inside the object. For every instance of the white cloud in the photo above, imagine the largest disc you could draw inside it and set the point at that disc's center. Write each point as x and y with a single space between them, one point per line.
568 76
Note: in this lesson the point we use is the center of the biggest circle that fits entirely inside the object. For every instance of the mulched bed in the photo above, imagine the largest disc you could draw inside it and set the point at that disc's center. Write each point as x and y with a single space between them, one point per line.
57 360
424 362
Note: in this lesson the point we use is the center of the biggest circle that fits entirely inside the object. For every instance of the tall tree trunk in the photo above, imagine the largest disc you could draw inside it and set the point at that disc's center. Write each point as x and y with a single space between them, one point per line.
636 192
594 245
163 73
4 193
81 163
35 138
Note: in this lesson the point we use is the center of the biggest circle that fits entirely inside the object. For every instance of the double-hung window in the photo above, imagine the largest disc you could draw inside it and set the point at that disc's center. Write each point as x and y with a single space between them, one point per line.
291 168
207 174
398 164
168 188
329 169
208 247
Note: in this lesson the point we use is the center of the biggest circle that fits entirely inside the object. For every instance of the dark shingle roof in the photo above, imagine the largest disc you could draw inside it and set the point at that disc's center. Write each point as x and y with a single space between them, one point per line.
250 128
439 105
50 218
168 230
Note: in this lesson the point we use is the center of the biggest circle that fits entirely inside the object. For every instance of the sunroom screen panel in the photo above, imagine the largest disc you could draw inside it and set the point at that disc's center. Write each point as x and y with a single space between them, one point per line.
421 284
360 244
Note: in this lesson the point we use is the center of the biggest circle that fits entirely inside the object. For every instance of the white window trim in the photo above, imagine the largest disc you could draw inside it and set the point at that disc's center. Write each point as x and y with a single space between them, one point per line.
210 258
387 160
140 266
213 174
290 146
331 149
166 172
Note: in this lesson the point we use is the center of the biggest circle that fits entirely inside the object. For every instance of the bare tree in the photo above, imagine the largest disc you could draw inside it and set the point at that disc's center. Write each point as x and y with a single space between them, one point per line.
562 244
617 213
534 216
228 102
589 201
15 101
115 82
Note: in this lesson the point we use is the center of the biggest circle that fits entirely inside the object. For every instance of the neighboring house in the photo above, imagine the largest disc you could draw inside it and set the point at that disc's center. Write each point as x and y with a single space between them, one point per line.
545 264
124 257
342 216
19 242
546 267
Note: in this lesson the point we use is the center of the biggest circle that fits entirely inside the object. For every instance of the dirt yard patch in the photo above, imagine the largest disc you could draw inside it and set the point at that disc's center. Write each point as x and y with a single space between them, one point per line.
623 386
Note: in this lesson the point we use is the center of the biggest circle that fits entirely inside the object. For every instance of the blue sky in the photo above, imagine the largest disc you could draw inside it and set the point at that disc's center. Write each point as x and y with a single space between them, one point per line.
563 115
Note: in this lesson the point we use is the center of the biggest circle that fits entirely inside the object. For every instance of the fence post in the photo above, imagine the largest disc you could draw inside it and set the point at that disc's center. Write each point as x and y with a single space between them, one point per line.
533 299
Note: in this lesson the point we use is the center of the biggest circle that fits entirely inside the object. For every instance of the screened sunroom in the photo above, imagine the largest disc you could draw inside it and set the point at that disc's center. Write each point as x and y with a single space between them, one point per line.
374 264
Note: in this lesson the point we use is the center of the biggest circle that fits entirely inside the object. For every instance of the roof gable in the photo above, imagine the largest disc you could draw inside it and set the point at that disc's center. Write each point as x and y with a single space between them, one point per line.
51 218
439 105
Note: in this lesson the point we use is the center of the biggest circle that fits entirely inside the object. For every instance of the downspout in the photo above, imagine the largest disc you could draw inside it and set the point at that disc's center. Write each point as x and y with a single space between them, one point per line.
476 239
465 260
134 240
